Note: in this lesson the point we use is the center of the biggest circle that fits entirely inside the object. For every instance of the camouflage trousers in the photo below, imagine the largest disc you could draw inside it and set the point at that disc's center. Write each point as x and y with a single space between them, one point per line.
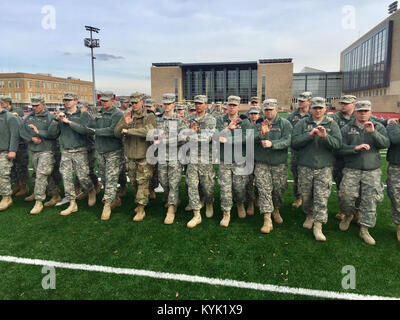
5 174
91 156
271 182
232 186
110 165
251 189
122 180
75 160
393 190
365 183
200 182
315 188
19 171
153 184
43 165
170 176
294 168
140 173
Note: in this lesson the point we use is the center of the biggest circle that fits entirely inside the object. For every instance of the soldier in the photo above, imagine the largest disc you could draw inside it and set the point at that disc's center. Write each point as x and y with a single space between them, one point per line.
9 132
109 151
225 108
169 127
316 138
217 110
124 104
200 171
42 144
192 110
255 102
19 171
181 111
393 171
71 127
362 140
134 127
150 105
302 112
272 142
232 185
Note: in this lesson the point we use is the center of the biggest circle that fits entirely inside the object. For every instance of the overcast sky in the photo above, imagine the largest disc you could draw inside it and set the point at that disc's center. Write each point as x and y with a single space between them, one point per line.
134 34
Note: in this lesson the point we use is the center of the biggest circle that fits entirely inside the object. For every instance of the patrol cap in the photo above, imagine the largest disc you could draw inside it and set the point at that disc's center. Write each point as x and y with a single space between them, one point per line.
149 102
305 96
107 96
123 100
180 106
225 105
235 100
36 100
192 107
70 96
363 106
168 98
135 97
5 99
200 99
254 110
218 103
83 103
270 104
318 102
254 99
347 99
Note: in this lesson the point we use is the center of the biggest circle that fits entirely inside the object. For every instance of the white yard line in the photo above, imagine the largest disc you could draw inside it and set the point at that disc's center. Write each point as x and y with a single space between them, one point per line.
196 279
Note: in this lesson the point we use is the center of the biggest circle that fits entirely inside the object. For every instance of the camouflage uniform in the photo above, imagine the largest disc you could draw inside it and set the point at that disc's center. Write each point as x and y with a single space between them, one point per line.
200 176
393 180
110 166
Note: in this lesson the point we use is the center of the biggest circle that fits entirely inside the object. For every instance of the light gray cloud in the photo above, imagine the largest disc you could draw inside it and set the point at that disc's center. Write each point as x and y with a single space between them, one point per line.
106 57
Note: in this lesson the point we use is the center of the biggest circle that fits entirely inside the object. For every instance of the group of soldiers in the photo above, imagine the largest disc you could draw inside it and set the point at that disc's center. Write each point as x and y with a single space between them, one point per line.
148 143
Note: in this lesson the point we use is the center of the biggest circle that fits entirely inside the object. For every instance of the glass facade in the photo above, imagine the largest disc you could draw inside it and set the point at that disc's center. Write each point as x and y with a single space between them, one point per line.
219 81
366 64
327 85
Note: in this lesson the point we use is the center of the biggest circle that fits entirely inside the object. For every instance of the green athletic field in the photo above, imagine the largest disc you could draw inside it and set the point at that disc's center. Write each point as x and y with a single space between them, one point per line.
289 256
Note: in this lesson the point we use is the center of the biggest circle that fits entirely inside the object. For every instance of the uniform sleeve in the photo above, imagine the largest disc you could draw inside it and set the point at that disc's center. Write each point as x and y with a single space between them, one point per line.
26 133
150 123
118 128
284 142
346 149
13 124
393 131
109 131
300 138
380 137
54 128
333 140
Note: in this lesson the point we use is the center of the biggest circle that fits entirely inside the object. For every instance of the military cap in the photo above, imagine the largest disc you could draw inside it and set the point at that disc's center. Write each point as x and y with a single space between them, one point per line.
318 102
348 99
192 107
135 97
254 110
363 106
254 99
200 99
180 106
107 96
70 96
5 99
83 103
36 100
235 100
149 102
270 104
123 100
168 98
225 105
305 96
218 103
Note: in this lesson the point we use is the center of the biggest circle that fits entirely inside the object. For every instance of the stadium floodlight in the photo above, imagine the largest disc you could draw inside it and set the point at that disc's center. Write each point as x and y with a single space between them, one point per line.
92 43
393 7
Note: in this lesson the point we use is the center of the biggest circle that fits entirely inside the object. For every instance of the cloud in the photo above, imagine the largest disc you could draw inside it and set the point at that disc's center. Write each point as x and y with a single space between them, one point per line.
106 57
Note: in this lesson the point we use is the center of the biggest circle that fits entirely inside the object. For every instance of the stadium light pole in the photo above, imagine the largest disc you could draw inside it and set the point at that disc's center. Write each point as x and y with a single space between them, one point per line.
92 43
393 7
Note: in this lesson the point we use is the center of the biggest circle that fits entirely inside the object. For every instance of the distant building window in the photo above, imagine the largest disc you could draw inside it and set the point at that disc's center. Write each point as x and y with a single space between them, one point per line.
9 84
37 84
176 88
18 83
54 86
49 86
18 96
1 83
263 88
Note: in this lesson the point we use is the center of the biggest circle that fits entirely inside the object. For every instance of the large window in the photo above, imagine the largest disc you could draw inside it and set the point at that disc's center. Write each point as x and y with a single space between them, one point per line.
366 65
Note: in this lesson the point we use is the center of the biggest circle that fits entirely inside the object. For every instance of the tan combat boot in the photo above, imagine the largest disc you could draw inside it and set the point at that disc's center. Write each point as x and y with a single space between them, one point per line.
5 203
226 219
123 191
116 203
37 208
241 210
23 190
73 207
250 208
209 210
106 211
340 216
169 219
364 234
92 197
30 198
297 204
277 216
308 224
267 227
16 188
53 201
319 236
195 220
345 223
398 233
140 213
